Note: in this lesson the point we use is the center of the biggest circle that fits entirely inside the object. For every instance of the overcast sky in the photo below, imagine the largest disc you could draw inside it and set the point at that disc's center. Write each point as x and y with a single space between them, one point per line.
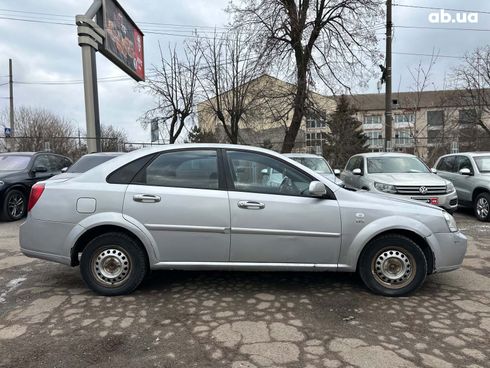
48 52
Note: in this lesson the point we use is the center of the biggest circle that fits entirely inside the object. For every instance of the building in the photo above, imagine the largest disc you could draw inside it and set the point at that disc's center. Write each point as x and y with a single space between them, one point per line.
427 123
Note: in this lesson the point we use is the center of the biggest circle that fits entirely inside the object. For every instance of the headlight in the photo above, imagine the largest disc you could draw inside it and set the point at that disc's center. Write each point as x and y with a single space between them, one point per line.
451 222
450 188
387 188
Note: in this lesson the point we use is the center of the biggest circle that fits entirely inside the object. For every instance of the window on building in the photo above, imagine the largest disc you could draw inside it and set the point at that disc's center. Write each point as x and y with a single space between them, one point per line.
435 118
403 138
313 123
467 117
434 136
315 139
372 119
404 118
375 138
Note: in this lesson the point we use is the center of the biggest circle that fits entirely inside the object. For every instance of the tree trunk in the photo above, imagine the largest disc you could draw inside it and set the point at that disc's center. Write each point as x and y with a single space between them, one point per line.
299 112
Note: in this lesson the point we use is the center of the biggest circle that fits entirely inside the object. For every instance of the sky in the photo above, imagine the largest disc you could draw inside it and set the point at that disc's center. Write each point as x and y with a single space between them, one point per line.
44 52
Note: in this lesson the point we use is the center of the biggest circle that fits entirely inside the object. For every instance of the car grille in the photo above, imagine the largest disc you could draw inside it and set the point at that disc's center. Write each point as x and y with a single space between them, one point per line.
415 189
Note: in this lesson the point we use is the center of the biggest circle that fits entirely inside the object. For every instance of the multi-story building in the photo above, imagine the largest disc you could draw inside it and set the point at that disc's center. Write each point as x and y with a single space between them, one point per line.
424 123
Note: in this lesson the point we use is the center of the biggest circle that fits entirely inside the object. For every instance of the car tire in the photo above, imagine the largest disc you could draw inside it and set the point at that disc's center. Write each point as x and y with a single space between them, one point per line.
482 207
113 264
393 265
14 205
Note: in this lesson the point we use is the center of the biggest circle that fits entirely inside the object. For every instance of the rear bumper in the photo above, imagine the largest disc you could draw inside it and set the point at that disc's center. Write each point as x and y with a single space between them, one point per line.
46 240
449 250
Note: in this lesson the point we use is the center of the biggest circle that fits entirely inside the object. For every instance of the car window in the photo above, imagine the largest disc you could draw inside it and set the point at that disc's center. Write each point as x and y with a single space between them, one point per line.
447 164
56 163
14 163
126 173
184 169
258 173
464 163
42 160
314 163
352 164
395 165
483 163
88 162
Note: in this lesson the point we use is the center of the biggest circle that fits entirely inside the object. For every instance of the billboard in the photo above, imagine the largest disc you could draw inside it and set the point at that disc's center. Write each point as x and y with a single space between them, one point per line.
123 43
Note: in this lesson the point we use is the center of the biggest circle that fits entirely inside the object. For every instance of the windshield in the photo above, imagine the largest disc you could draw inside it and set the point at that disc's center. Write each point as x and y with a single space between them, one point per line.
88 162
314 163
483 163
395 165
14 163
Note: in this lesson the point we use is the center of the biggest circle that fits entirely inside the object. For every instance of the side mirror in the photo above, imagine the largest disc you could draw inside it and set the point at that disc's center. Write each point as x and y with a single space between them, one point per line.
357 172
40 169
336 172
465 171
434 171
63 170
317 189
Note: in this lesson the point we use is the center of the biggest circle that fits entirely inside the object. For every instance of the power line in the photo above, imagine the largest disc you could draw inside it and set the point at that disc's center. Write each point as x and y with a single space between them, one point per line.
3 84
445 29
430 55
437 8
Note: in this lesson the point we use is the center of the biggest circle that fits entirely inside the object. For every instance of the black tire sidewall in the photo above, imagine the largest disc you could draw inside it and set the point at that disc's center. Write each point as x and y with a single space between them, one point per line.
398 241
5 213
137 257
487 197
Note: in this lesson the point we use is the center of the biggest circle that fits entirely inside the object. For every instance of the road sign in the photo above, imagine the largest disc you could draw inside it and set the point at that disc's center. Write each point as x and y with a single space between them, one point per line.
8 132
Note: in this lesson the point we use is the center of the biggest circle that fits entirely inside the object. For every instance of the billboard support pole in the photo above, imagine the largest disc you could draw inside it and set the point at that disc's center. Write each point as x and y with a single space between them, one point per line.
90 36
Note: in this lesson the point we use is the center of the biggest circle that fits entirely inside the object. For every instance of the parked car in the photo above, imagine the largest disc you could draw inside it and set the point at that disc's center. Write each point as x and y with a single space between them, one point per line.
85 163
318 164
206 206
18 172
470 174
400 175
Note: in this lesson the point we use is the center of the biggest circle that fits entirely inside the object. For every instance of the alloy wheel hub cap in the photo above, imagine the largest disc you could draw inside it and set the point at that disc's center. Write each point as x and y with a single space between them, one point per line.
482 207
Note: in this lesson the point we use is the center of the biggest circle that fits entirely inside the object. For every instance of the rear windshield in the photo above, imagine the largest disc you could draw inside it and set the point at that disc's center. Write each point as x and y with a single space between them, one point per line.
483 163
14 163
88 162
395 165
314 163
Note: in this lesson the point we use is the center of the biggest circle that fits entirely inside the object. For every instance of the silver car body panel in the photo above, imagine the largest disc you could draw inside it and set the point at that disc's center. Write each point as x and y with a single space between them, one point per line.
466 185
206 229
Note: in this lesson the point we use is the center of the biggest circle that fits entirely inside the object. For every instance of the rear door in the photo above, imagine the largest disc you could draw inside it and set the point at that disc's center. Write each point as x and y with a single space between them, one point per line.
180 197
276 221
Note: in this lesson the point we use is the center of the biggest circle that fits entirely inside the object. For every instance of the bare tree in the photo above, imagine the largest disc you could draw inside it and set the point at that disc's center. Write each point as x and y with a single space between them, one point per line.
38 130
113 139
325 40
473 77
174 87
228 80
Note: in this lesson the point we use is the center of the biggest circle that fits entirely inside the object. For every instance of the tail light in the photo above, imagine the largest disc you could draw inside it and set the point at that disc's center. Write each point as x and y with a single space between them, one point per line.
36 192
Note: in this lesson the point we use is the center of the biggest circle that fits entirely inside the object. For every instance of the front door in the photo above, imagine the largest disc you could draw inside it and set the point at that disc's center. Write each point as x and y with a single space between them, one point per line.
273 218
180 198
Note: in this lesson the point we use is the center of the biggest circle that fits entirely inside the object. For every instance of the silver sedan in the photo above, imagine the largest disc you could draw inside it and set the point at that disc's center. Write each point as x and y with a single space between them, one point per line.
214 206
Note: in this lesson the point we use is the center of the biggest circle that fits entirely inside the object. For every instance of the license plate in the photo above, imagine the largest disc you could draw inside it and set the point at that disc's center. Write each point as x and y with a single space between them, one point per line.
434 201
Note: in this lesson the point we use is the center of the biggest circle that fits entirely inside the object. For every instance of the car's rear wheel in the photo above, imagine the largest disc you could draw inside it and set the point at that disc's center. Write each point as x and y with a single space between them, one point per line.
482 207
113 264
393 265
14 205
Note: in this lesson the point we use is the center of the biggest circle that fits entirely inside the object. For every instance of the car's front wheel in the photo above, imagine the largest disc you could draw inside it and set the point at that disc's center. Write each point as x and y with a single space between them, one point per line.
14 205
482 207
393 265
113 264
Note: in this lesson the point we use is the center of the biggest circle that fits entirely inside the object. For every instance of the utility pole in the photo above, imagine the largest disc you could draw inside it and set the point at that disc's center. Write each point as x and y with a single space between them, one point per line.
11 99
388 94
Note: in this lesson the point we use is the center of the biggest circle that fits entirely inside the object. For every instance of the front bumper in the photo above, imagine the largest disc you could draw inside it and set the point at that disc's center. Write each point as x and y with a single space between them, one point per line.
447 201
449 250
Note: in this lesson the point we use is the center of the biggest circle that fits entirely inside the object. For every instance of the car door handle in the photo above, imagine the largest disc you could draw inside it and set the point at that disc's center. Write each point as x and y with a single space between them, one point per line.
251 205
146 198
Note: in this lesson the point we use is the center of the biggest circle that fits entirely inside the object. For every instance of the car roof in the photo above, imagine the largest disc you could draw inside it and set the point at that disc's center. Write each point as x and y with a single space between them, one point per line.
302 155
111 154
18 153
384 154
474 153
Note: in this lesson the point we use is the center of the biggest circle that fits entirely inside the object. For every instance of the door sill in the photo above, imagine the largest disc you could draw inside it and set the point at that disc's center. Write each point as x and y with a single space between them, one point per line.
247 266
